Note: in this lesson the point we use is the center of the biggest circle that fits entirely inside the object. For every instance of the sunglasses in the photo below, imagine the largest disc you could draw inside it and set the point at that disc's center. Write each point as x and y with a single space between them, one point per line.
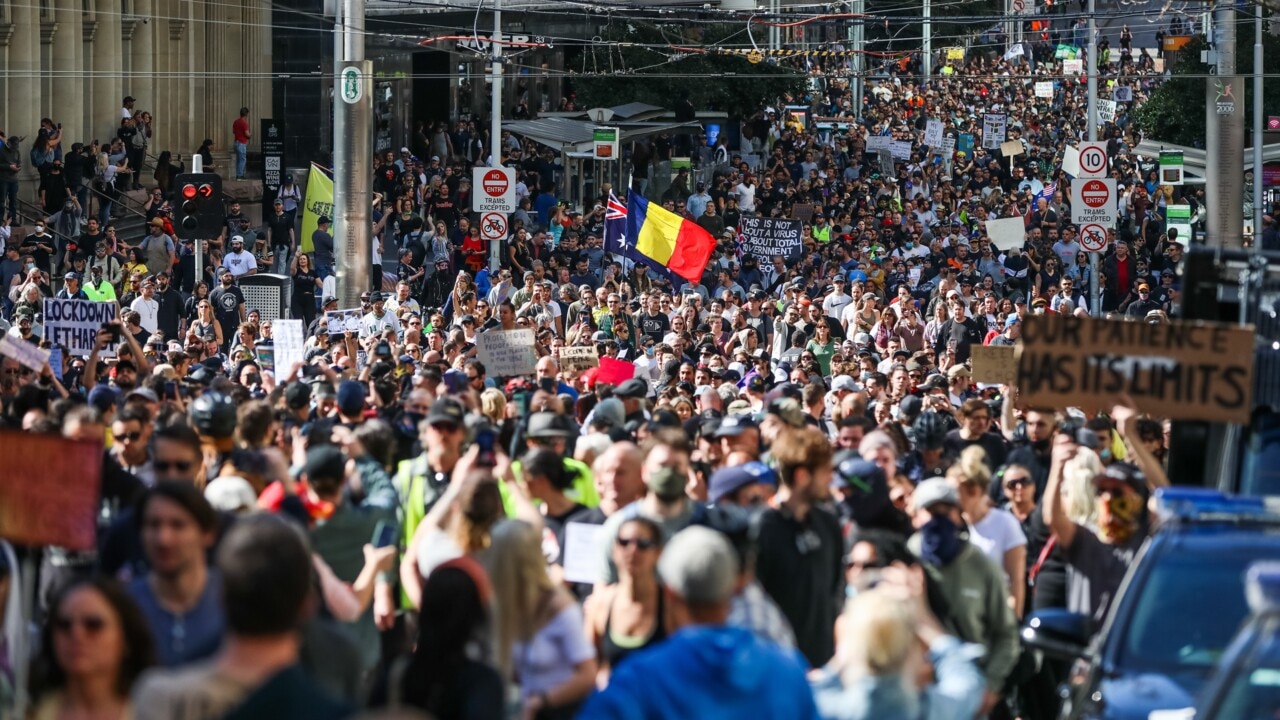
1011 483
134 436
640 543
164 466
92 624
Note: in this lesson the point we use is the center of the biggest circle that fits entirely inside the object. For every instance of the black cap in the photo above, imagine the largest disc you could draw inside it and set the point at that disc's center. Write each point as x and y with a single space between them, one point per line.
325 461
297 395
446 410
550 425
735 425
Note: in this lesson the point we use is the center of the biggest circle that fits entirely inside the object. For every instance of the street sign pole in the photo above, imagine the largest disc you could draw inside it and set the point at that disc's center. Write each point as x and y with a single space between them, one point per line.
1091 72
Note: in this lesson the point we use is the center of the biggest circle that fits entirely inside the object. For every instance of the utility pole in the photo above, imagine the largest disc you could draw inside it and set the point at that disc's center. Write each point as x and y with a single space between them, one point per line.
495 98
352 166
928 39
857 39
1224 137
1091 73
1257 129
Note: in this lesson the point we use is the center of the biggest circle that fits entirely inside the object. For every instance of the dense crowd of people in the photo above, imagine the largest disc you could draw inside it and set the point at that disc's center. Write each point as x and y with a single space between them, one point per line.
799 504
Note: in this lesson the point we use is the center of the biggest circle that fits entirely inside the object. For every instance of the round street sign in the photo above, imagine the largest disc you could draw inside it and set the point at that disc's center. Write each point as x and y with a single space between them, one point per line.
493 226
1093 237
1093 159
494 183
1095 194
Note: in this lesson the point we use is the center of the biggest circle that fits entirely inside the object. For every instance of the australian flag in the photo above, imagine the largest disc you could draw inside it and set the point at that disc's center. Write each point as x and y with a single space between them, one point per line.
617 243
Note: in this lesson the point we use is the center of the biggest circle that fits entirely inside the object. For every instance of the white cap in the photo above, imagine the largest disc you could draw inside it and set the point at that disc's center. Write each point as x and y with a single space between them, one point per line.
237 239
231 494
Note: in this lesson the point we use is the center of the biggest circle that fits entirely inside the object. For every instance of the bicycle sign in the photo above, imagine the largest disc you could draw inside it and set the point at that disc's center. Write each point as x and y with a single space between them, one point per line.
493 226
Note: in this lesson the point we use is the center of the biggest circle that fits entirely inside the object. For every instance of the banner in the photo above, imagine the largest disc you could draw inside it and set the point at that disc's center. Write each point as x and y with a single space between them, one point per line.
1179 370
771 237
28 355
1015 51
74 324
578 357
340 321
288 338
993 130
994 364
319 202
507 352
49 490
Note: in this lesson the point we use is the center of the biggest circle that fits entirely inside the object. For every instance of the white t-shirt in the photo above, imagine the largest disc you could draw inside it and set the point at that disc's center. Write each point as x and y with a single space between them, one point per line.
148 312
746 197
996 534
239 263
835 303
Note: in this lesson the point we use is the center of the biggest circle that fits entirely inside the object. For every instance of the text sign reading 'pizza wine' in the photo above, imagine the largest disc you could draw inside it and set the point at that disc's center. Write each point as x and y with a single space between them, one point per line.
1181 370
493 189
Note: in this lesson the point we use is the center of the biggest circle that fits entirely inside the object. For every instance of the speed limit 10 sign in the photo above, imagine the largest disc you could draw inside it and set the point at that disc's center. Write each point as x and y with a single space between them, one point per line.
1093 160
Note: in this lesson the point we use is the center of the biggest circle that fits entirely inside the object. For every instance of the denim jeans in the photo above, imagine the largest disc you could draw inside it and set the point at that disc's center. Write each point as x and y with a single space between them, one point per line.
280 265
242 158
8 197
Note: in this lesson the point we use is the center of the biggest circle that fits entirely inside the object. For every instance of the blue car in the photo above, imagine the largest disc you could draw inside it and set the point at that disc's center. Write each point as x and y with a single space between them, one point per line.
1179 607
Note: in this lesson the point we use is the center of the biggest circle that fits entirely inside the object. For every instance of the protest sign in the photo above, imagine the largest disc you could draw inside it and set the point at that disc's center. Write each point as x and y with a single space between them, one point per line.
49 490
340 321
993 130
965 143
765 237
803 211
27 354
1071 161
900 149
1106 110
955 53
876 143
507 352
1044 89
994 364
933 133
55 361
1007 232
1179 370
74 324
615 372
1011 148
578 357
1122 93
1073 67
886 162
289 343
266 358
583 561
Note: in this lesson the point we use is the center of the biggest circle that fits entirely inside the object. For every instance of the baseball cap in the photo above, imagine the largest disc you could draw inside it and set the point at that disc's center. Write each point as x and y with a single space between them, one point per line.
728 480
1011 321
351 396
448 411
325 461
934 491
549 425
735 425
633 388
700 566
297 395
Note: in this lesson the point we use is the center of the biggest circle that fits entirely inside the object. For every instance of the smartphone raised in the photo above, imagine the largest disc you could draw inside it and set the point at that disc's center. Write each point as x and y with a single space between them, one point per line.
486 439
384 534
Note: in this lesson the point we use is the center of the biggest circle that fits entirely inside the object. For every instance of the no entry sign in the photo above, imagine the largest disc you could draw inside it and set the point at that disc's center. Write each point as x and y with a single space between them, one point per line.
493 189
1093 201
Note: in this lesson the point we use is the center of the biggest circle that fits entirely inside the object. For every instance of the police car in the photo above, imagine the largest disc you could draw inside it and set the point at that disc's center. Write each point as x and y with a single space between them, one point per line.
1176 611
1247 682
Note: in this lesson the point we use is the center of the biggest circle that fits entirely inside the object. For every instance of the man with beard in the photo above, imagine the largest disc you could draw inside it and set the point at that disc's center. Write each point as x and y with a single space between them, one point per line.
800 563
228 307
169 317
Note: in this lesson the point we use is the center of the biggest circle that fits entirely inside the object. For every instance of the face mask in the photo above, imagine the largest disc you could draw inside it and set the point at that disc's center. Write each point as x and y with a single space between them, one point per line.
910 244
31 266
667 483
940 541
412 420
39 228
1118 517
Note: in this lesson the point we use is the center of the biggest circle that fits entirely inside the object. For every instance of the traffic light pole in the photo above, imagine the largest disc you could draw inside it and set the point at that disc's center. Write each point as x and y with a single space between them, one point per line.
352 160
197 166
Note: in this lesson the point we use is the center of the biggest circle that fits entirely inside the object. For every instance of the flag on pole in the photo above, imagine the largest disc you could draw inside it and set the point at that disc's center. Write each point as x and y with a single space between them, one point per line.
682 246
617 241
318 203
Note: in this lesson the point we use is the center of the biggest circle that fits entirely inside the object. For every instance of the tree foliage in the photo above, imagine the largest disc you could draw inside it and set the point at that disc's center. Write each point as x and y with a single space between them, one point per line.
660 76
1175 112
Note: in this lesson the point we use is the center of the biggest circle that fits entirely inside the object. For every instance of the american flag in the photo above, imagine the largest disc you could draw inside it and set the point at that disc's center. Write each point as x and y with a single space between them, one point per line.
1048 191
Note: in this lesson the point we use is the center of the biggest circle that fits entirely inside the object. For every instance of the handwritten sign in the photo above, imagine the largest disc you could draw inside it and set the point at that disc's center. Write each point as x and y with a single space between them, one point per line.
507 353
1180 370
994 128
289 343
340 321
900 149
577 358
1072 67
583 560
803 212
49 490
1011 148
27 354
994 364
933 133
1044 89
74 324
765 237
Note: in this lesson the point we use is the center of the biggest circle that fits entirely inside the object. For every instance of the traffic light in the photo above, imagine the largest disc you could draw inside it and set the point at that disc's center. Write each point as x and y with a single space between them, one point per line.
200 213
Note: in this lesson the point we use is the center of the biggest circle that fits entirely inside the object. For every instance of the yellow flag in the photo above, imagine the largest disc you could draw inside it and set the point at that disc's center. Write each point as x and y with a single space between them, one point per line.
319 202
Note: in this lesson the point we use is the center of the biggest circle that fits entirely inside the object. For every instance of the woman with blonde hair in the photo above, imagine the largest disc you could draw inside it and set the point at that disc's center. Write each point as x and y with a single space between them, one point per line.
541 644
994 530
493 405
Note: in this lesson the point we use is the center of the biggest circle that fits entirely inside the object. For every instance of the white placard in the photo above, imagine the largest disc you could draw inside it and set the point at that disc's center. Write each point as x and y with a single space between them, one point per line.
28 355
583 558
74 324
340 321
1044 89
900 149
507 352
933 133
493 189
876 143
1071 161
1122 93
1007 233
1072 67
993 130
288 336
1106 110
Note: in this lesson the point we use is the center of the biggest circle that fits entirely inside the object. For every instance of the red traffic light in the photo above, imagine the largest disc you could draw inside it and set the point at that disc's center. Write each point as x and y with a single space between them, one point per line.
206 190
189 191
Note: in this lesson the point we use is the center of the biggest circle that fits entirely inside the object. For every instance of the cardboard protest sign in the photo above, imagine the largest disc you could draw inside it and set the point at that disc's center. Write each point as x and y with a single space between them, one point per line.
507 352
803 212
1179 370
288 339
900 149
765 237
49 490
1011 148
74 324
1071 161
578 357
340 321
1007 233
28 355
994 364
1044 89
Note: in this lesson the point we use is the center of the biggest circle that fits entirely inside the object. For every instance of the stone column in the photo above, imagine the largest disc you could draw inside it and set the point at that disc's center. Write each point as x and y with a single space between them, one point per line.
108 85
48 28
163 63
181 139
89 30
23 72
6 37
68 97
142 55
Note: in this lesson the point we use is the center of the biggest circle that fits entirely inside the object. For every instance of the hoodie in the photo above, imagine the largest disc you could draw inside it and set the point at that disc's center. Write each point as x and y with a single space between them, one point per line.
708 672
